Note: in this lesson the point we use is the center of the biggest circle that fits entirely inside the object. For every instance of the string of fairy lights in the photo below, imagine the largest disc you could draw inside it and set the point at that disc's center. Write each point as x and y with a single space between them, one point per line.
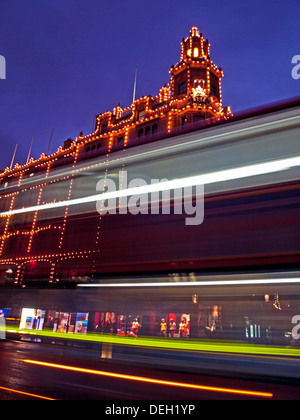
166 107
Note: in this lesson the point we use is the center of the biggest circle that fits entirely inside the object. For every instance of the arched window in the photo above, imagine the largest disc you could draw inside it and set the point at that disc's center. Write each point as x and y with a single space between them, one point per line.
154 128
99 146
88 149
182 88
141 132
148 131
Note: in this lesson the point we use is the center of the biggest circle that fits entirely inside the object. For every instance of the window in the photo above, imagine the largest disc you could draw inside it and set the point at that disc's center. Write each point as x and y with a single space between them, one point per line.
213 90
99 145
183 120
196 52
182 89
148 131
141 115
154 129
197 118
104 128
120 140
141 132
88 149
93 147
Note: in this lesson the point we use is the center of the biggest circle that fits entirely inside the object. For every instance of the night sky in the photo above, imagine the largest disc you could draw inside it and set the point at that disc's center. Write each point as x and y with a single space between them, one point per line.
69 59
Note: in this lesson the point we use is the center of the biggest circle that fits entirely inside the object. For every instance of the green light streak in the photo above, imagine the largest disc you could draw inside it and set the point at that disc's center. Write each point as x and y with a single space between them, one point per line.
165 343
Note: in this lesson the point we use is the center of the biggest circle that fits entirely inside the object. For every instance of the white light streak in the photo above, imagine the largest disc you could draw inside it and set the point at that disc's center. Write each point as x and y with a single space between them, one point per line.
203 179
198 283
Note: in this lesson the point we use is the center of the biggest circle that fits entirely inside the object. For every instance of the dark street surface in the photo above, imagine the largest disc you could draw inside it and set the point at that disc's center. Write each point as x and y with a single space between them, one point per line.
20 378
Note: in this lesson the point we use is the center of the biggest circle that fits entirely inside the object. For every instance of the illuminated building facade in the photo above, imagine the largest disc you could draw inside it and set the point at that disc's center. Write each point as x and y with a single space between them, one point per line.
58 245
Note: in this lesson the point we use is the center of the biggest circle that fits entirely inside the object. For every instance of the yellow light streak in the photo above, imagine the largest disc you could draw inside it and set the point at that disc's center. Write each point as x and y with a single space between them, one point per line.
153 381
26 393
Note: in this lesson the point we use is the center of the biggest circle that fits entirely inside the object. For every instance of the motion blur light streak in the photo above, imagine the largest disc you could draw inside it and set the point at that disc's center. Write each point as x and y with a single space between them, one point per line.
210 178
190 346
198 283
26 393
153 381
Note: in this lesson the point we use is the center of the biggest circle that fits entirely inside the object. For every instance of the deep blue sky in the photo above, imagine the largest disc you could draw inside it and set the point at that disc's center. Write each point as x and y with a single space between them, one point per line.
69 59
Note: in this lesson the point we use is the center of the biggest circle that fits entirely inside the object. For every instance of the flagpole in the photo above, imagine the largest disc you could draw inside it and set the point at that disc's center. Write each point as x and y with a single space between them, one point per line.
13 158
29 153
134 88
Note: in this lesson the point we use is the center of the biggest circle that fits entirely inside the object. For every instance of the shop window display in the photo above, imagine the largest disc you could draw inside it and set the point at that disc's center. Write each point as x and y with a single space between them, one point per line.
163 327
62 324
172 325
128 325
175 326
184 326
81 324
209 320
105 322
32 319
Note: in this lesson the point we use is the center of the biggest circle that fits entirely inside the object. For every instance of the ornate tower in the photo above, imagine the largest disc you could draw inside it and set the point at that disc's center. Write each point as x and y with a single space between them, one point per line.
196 82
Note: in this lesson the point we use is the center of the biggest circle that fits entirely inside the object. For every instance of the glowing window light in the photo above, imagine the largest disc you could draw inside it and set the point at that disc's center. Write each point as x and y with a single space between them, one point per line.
196 52
26 313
